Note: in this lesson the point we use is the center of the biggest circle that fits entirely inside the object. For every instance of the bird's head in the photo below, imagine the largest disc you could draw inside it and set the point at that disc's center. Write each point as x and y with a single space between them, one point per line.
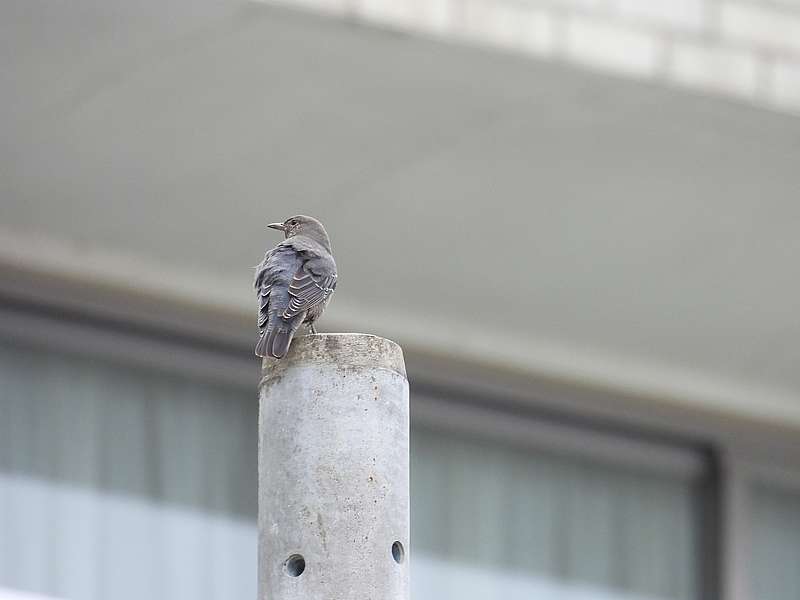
303 225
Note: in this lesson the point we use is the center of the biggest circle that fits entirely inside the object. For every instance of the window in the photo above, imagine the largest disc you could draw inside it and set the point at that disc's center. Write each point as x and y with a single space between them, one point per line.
496 521
775 563
118 483
140 470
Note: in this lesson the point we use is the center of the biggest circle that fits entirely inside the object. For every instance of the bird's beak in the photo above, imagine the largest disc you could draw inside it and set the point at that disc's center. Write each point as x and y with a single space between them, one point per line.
278 226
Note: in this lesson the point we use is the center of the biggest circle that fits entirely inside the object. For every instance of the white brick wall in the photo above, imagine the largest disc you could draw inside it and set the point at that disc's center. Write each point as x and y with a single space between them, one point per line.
715 68
690 15
786 84
590 5
425 15
748 49
612 46
761 26
508 24
335 7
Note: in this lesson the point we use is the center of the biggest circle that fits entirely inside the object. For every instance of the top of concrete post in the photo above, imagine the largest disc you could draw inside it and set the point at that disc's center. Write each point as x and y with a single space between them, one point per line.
343 349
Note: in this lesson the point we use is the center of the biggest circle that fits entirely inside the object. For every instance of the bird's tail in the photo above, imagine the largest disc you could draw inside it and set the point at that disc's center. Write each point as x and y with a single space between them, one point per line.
261 345
274 342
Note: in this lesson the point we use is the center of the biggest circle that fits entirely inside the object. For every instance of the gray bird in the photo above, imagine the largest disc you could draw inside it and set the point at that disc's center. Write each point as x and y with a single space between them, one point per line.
294 283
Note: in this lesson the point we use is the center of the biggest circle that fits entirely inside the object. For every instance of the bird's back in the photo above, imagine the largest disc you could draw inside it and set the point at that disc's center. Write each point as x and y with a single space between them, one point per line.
274 276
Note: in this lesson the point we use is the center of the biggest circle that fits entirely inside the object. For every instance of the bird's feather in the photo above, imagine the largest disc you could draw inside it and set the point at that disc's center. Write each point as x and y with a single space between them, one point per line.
307 290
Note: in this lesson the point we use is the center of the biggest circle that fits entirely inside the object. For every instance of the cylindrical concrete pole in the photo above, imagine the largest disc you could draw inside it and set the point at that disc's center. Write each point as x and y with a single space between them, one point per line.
333 497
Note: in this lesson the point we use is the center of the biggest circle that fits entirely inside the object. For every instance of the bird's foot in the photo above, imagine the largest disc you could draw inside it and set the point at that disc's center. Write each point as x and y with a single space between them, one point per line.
311 329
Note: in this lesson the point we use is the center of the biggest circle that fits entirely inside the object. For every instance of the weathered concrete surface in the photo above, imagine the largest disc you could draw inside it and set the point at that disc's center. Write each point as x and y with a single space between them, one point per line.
333 471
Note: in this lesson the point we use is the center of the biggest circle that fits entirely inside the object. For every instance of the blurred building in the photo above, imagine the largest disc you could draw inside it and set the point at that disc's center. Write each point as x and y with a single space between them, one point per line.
579 217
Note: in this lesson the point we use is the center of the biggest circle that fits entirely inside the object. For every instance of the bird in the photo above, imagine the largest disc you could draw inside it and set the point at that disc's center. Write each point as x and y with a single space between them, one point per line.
293 284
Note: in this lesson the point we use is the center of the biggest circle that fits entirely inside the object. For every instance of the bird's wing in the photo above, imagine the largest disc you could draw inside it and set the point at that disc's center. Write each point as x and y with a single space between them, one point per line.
264 279
263 304
308 288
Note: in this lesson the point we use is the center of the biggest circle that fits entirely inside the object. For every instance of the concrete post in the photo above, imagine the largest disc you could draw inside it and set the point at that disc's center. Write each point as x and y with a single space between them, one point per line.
333 499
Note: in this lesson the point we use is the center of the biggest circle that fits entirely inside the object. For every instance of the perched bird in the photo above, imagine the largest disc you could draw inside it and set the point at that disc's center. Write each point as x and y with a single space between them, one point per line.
294 283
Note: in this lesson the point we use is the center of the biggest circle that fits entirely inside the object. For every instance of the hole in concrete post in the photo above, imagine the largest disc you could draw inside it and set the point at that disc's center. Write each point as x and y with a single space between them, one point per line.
398 553
295 565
